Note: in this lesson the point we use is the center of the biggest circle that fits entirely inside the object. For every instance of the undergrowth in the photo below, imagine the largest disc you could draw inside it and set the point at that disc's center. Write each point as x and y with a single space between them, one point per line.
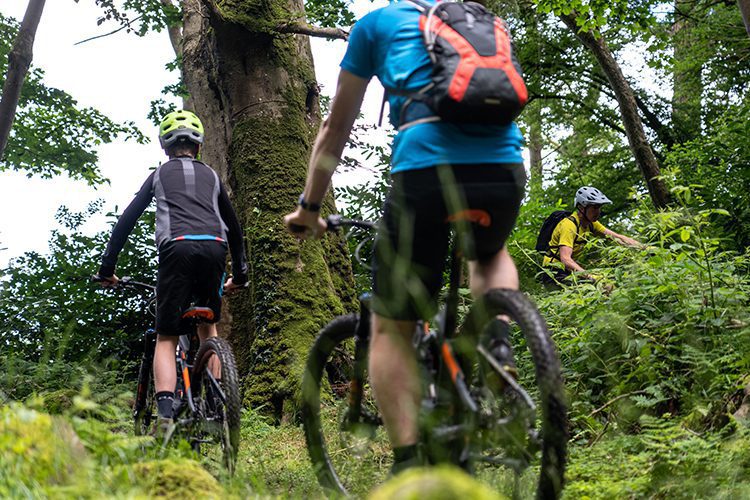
655 357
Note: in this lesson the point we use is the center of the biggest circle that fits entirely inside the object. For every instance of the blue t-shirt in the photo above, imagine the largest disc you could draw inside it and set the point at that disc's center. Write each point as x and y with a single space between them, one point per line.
388 43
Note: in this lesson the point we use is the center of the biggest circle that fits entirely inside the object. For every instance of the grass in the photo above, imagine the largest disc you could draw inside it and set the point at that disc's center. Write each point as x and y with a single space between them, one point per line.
665 460
79 443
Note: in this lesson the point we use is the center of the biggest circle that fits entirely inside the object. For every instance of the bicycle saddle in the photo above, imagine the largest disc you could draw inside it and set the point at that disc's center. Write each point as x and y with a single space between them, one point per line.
199 313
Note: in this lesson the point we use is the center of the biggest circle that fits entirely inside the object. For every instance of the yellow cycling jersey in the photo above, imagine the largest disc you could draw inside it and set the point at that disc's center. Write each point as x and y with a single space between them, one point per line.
570 233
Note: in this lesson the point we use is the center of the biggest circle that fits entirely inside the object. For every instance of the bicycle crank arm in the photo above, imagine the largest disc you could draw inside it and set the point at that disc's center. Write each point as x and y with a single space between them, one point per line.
506 377
448 432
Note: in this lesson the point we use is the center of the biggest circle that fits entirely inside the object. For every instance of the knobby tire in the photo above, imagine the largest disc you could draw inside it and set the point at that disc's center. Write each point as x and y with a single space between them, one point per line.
145 404
334 334
230 414
554 421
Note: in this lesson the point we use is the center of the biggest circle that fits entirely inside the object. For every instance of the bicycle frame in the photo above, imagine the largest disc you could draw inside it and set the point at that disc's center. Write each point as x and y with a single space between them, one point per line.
438 342
183 362
442 334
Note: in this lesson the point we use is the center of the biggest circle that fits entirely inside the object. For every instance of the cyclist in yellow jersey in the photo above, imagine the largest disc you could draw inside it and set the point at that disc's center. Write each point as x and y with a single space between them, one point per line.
572 233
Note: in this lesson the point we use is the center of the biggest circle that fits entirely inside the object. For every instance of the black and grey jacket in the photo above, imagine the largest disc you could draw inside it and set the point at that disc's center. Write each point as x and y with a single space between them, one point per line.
191 204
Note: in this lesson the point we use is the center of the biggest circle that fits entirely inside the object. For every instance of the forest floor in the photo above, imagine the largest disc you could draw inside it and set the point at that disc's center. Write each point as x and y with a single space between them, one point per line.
87 450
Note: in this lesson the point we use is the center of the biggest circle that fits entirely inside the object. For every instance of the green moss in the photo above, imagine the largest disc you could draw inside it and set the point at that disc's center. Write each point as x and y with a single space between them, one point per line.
177 479
296 287
255 15
37 452
438 483
263 17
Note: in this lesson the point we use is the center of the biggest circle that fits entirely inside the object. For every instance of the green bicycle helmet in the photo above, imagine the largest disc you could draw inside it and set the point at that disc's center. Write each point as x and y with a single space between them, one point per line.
177 124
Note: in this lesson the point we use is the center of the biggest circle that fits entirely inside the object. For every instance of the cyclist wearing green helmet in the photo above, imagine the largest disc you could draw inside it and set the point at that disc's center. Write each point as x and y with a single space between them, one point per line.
195 224
182 126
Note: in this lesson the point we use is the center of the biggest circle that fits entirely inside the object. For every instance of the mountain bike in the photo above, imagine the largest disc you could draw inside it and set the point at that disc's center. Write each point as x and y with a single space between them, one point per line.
464 418
207 396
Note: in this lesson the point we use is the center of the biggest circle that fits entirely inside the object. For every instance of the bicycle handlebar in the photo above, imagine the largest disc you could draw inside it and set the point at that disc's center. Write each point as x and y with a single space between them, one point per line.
124 282
335 222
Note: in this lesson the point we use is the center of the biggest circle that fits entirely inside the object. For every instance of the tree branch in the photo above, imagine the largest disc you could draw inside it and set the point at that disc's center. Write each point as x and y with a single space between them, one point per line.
745 11
19 60
124 26
175 33
290 27
300 28
654 123
639 144
569 97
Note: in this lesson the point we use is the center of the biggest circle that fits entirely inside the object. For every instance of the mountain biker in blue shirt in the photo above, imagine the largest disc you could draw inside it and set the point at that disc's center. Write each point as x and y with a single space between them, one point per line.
195 224
438 169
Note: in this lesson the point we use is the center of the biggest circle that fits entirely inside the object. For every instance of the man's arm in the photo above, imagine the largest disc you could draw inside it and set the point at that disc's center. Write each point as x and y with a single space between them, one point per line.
124 226
235 237
566 257
329 145
624 240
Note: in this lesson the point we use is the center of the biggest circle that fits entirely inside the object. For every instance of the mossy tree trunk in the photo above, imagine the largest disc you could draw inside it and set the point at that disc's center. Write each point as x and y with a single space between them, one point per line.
256 91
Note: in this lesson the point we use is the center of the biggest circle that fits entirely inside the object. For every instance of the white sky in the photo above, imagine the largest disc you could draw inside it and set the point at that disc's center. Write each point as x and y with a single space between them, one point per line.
118 75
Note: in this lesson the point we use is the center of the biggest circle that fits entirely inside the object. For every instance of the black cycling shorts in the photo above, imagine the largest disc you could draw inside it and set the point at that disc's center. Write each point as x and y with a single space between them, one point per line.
190 272
413 236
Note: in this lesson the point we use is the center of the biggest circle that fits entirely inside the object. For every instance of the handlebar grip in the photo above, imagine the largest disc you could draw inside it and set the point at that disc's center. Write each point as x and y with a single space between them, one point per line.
95 278
333 222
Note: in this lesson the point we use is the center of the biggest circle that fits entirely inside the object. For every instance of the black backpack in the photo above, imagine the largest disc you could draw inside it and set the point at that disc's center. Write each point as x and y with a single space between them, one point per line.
548 227
475 75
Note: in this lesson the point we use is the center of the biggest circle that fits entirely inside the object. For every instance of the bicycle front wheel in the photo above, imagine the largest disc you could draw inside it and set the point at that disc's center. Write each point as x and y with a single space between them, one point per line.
217 396
144 408
513 434
347 445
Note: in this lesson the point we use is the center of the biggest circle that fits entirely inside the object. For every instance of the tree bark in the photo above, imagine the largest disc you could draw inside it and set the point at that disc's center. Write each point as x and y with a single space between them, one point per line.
745 10
639 145
19 60
256 92
533 117
686 83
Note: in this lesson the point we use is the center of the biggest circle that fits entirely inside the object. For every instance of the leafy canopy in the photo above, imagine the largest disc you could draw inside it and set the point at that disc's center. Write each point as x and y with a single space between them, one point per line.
51 134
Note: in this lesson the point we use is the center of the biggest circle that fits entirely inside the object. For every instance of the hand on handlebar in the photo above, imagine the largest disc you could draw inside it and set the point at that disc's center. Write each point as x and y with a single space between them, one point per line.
230 288
303 224
106 282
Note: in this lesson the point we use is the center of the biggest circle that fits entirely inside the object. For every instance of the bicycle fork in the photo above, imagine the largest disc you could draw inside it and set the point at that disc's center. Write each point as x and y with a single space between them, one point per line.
361 343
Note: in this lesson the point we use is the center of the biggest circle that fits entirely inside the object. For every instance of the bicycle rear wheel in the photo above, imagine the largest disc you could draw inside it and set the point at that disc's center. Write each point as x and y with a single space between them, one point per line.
513 434
217 396
347 445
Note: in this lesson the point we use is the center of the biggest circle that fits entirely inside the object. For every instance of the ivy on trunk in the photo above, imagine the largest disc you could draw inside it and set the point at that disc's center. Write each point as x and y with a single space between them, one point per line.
255 90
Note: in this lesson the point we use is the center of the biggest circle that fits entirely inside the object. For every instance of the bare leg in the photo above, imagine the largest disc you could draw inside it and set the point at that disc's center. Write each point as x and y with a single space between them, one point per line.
395 378
496 272
207 331
165 370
